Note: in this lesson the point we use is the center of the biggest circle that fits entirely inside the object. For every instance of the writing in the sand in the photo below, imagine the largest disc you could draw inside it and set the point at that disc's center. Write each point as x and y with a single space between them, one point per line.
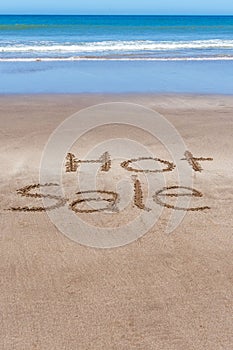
72 163
161 197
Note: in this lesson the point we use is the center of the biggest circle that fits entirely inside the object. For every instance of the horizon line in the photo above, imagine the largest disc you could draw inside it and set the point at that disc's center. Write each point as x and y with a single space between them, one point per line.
115 14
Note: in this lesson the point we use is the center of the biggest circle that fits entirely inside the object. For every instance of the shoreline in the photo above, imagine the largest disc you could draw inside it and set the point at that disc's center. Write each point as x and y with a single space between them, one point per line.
195 77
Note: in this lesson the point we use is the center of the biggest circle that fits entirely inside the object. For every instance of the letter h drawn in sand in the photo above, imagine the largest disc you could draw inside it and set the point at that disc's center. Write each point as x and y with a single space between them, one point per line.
72 162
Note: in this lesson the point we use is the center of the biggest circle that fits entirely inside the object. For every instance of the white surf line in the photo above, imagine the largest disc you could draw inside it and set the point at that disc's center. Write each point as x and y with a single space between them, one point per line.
224 58
100 46
61 59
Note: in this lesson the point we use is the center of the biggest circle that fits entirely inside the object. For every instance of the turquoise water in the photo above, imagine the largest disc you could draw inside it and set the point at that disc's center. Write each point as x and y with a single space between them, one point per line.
118 37
107 53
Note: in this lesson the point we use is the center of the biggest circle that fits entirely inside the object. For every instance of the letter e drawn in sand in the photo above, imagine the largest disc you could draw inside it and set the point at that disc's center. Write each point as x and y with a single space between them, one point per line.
72 162
193 161
192 193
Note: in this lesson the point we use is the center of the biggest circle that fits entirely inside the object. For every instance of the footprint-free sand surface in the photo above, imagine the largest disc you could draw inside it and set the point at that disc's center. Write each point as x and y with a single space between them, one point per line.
161 292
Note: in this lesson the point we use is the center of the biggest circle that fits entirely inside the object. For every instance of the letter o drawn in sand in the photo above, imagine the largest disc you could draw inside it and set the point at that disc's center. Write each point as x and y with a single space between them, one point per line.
169 166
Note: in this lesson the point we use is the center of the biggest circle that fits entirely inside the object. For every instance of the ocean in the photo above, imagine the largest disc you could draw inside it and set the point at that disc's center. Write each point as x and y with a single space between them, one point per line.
68 54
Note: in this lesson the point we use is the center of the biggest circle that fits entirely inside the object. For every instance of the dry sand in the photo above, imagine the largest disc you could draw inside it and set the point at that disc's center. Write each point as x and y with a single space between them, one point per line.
159 292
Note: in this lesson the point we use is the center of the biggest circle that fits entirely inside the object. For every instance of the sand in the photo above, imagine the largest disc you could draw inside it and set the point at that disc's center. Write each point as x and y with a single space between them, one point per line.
165 292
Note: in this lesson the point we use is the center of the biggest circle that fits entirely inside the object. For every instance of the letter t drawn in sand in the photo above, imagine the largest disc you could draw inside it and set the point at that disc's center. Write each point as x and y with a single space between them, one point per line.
194 161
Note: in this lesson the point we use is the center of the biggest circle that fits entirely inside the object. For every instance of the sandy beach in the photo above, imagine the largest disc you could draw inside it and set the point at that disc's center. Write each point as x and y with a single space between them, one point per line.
161 292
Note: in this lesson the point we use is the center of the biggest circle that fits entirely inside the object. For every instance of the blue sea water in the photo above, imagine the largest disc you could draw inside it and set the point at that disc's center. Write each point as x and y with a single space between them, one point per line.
116 54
